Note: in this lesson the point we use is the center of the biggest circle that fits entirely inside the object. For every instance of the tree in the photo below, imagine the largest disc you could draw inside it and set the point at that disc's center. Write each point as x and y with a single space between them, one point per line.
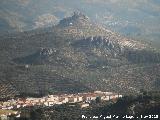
98 99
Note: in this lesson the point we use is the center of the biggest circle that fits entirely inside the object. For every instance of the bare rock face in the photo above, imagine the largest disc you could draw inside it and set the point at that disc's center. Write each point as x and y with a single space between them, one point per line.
47 51
41 56
75 20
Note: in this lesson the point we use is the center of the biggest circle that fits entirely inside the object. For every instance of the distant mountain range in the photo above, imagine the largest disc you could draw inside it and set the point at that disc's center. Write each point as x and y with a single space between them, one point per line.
138 19
76 55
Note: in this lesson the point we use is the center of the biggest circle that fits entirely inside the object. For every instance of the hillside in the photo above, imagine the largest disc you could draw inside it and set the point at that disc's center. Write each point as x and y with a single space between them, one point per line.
74 56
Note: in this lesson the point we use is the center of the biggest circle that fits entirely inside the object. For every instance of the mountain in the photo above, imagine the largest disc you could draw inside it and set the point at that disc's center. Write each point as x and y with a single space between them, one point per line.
138 19
76 55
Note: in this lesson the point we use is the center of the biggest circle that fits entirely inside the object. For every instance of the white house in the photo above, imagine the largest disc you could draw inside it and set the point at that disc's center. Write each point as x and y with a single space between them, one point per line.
51 103
106 98
79 98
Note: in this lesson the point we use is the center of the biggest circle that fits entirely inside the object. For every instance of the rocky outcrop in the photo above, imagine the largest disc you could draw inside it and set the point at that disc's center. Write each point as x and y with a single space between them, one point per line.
77 19
47 51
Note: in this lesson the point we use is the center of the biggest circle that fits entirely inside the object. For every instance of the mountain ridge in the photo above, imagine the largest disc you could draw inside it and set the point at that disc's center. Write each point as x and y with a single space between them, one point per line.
43 62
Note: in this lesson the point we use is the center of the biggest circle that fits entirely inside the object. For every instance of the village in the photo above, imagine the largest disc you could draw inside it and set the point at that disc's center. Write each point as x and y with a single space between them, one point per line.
83 98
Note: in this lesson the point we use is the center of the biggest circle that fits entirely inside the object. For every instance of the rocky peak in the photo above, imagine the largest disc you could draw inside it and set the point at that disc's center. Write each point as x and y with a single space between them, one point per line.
77 19
79 15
